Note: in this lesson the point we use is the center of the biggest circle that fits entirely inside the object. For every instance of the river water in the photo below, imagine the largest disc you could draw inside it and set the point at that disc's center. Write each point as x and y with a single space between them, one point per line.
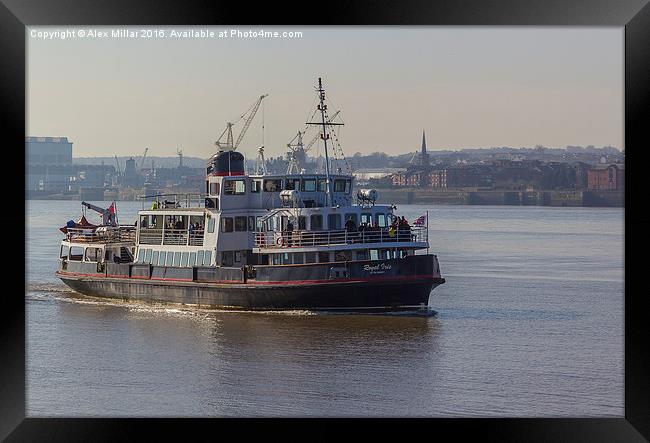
530 324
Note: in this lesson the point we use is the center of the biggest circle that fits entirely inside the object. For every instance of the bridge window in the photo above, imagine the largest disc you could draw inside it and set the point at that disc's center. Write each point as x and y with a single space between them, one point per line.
316 222
322 185
292 183
214 188
382 221
309 185
226 224
274 185
234 187
211 225
240 224
256 186
366 218
64 251
339 185
334 221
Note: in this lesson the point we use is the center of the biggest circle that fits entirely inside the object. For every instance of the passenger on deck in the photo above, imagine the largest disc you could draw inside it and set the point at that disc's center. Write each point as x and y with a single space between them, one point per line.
350 225
289 232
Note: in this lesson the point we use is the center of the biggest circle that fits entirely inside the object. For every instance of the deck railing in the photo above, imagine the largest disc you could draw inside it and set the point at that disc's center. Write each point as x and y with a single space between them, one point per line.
110 235
301 239
150 236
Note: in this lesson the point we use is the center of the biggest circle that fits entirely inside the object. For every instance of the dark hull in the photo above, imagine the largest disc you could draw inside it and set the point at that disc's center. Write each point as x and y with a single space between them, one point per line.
378 295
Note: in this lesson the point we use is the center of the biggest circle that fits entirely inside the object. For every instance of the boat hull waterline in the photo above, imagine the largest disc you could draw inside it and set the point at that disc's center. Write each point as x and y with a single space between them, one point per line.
398 294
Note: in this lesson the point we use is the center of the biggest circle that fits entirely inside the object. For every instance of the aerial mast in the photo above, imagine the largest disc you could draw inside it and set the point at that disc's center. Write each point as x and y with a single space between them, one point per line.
322 107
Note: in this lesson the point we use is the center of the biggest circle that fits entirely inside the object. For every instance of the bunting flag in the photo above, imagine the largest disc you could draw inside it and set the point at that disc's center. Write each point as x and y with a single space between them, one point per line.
421 220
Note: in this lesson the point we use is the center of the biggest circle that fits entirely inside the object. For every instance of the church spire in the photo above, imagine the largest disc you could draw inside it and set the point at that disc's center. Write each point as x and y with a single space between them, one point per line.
424 157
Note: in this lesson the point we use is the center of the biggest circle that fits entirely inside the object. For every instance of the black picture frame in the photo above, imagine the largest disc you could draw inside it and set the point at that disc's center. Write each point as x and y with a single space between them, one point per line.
634 15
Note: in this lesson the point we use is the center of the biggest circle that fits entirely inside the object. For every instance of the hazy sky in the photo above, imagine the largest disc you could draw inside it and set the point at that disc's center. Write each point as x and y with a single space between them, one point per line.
466 86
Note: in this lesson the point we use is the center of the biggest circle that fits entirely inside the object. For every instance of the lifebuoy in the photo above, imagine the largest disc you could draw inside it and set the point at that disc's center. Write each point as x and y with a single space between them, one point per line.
280 241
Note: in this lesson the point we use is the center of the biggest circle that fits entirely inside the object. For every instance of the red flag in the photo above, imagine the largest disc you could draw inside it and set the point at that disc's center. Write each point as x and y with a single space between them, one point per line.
111 208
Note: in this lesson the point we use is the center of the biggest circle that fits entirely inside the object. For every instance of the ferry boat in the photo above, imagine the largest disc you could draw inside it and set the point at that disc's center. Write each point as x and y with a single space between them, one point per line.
260 241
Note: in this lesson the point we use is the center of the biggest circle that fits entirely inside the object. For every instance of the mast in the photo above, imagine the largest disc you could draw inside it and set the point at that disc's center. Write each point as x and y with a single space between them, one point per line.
322 107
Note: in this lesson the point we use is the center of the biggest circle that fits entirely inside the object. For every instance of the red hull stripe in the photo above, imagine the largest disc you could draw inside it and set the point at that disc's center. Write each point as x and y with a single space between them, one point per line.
262 283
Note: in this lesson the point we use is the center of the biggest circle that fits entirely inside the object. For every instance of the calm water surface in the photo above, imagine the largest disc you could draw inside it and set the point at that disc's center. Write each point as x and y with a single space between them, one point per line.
530 323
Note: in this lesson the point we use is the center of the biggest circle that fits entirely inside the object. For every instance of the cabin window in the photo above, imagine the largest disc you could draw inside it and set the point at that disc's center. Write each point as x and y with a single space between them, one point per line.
316 222
334 221
309 185
251 222
147 255
322 185
374 254
177 258
212 203
362 254
199 258
207 187
273 185
292 183
154 258
240 224
339 185
93 254
64 251
302 222
323 257
382 221
175 222
214 188
275 259
237 256
297 258
234 187
211 225
226 224
170 258
258 223
144 221
310 257
256 186
226 258
207 259
141 255
76 253
161 258
192 261
383 254
184 257
366 218
343 256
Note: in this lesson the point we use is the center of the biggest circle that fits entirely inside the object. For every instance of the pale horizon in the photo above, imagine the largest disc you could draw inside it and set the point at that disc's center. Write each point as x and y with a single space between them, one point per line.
467 87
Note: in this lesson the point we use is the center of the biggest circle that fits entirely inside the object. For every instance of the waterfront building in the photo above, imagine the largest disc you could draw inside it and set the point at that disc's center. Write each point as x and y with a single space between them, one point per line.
606 177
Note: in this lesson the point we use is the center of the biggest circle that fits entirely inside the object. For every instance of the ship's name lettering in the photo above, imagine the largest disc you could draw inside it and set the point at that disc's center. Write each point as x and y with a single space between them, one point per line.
379 268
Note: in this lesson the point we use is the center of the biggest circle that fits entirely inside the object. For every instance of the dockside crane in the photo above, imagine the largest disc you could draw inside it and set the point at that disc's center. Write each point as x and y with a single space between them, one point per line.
248 118
143 157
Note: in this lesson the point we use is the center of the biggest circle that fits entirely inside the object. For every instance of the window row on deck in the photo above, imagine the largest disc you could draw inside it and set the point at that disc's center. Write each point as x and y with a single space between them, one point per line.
174 258
238 186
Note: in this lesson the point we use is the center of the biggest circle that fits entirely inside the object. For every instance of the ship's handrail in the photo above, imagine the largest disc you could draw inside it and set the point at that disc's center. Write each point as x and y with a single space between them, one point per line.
177 200
111 235
303 238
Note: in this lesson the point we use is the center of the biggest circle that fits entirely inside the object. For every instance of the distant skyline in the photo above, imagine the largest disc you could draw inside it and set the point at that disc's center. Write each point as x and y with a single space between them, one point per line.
467 87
